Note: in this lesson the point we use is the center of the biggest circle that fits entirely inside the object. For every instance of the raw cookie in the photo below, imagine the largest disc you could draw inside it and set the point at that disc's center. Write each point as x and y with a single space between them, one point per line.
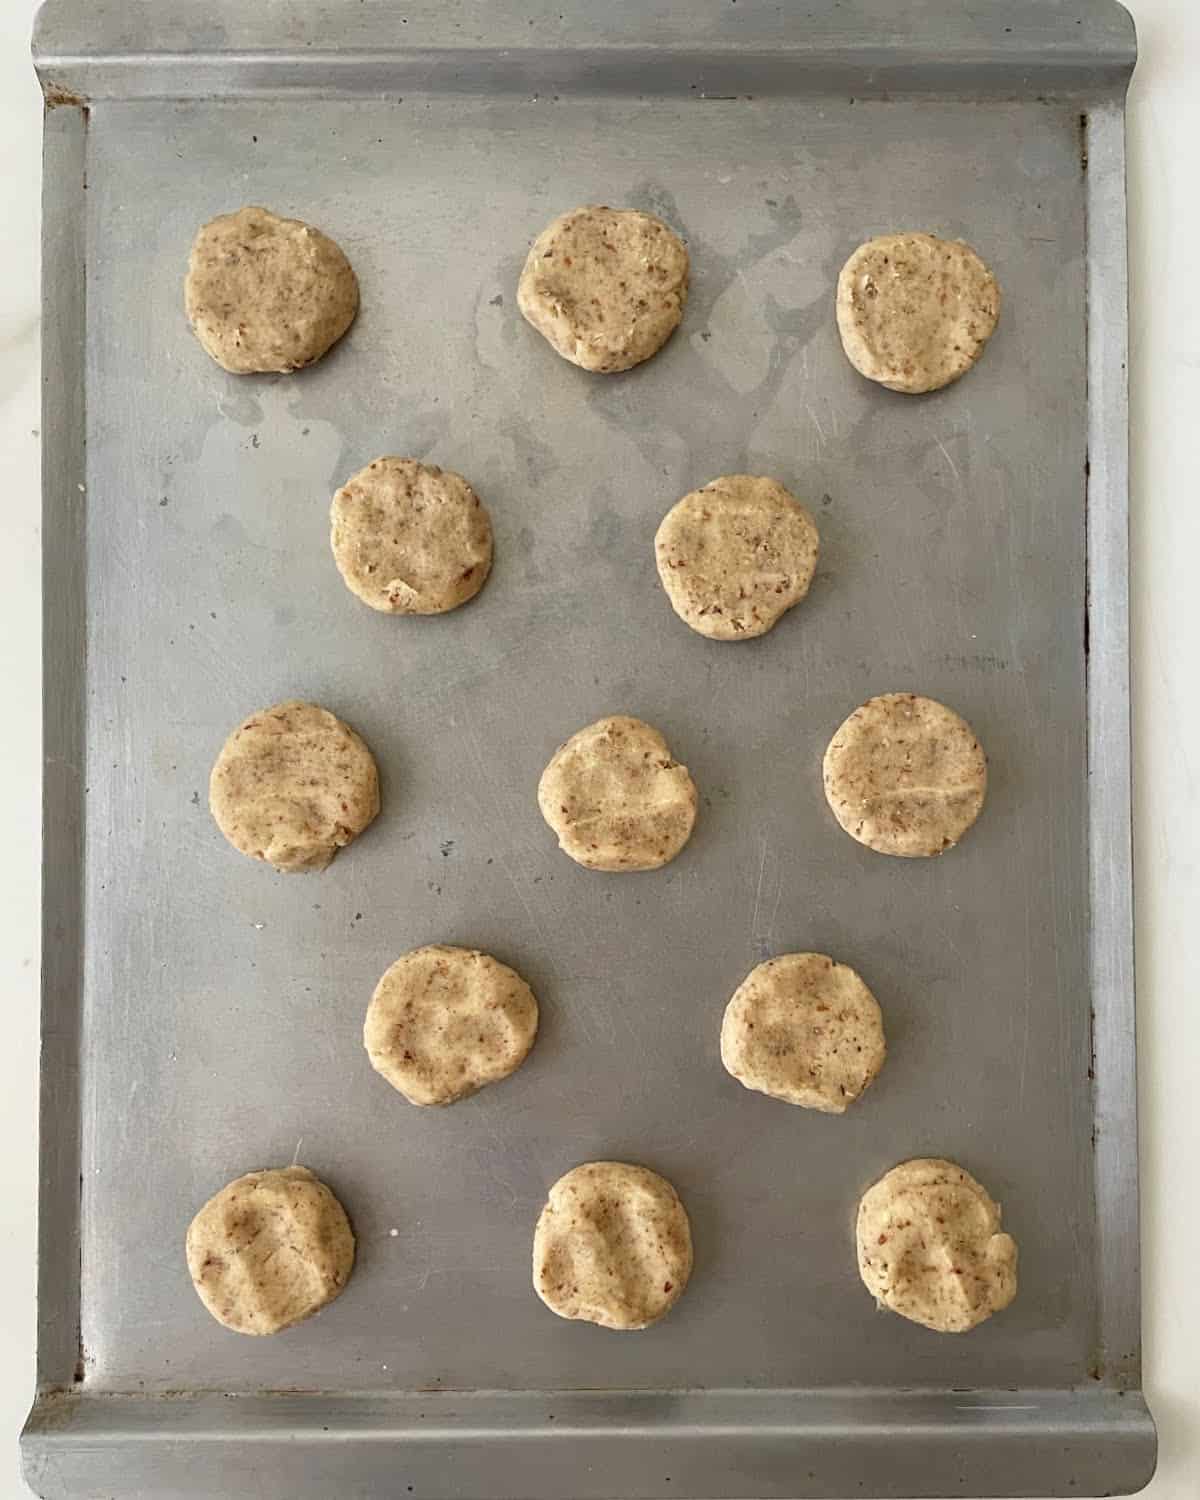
293 785
905 775
410 538
615 797
915 311
606 286
269 1250
929 1247
612 1246
444 1022
264 293
736 555
804 1029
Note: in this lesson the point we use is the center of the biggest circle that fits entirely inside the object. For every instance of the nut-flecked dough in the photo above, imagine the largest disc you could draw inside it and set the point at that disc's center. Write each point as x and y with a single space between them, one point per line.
805 1029
605 286
736 555
612 1246
267 294
616 798
905 775
269 1250
293 785
914 311
930 1247
444 1022
410 538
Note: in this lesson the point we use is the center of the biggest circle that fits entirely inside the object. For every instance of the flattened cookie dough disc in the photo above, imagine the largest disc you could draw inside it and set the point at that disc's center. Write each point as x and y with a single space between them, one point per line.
914 311
410 538
612 1246
293 785
444 1022
267 294
930 1247
804 1029
269 1250
616 798
736 555
905 775
605 286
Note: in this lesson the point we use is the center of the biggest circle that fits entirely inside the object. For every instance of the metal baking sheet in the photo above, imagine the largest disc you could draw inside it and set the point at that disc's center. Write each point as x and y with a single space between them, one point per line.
202 1016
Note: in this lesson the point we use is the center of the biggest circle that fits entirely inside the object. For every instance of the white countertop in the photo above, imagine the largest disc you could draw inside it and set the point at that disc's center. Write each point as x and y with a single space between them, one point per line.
1164 217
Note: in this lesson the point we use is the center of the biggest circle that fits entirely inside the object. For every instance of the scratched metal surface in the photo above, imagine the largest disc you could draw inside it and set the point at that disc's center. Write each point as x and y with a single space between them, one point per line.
223 1004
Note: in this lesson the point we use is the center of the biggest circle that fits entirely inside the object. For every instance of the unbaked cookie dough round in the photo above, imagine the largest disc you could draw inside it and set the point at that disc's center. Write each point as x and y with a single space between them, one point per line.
616 798
410 538
267 294
805 1029
930 1247
905 775
269 1250
736 555
612 1246
605 286
445 1022
293 785
914 311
